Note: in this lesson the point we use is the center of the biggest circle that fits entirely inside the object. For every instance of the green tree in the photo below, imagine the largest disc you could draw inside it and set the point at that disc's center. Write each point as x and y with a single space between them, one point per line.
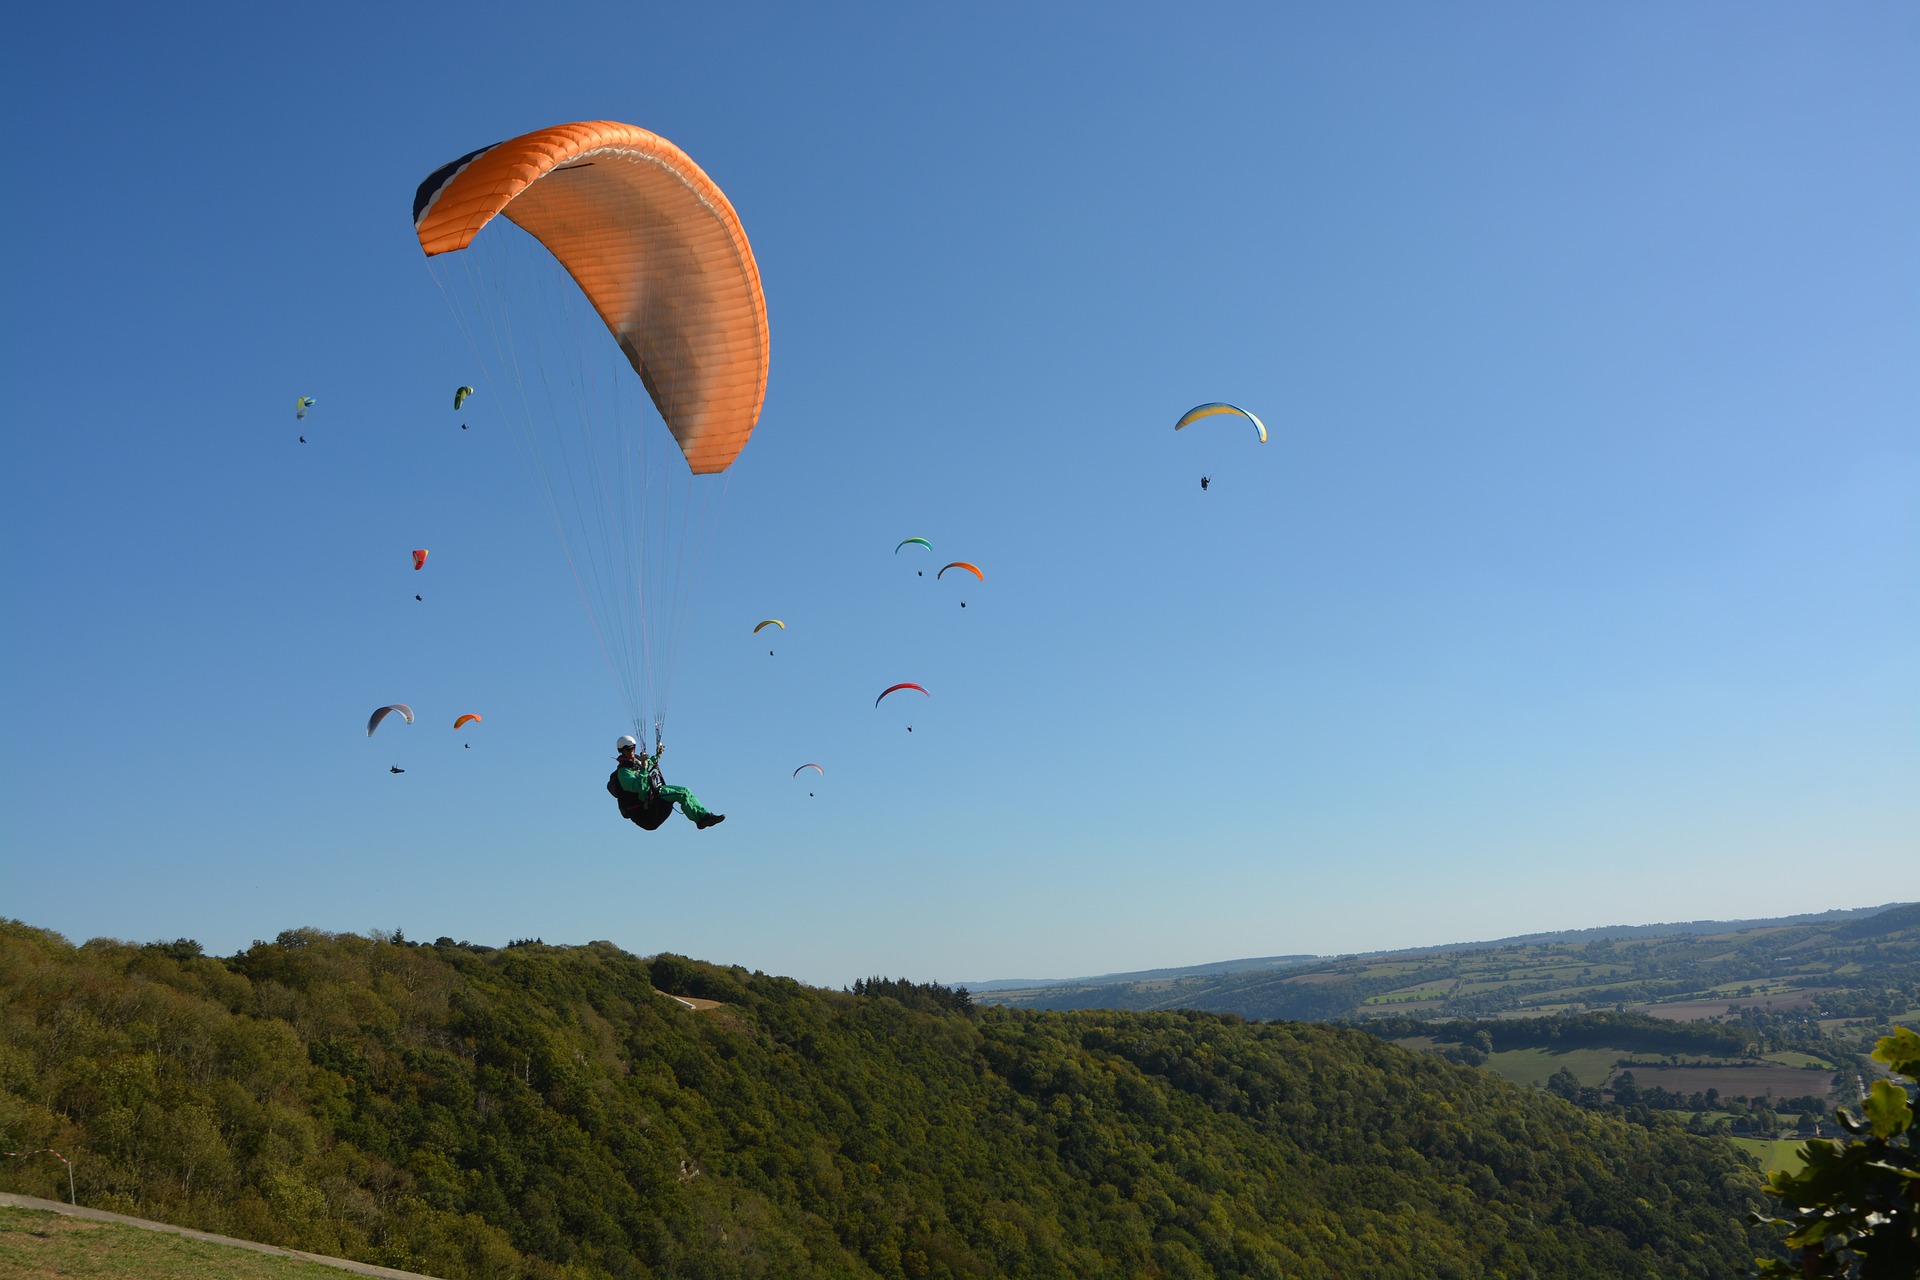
1854 1207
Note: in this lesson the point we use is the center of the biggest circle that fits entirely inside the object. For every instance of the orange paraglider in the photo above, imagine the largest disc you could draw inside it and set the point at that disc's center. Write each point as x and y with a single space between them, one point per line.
543 244
655 246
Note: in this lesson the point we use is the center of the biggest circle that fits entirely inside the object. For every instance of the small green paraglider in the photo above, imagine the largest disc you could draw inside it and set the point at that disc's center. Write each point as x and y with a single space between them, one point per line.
460 396
300 406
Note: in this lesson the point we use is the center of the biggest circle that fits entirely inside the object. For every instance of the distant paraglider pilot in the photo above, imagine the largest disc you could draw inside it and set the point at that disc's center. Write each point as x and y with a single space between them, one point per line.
1204 482
645 798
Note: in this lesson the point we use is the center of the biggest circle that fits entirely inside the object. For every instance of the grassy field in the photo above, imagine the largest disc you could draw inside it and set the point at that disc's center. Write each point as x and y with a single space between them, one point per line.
40 1246
1789 1058
1773 1154
1533 1066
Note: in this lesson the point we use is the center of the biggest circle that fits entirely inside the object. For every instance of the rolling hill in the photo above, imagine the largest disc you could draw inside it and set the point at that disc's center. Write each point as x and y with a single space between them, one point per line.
546 1111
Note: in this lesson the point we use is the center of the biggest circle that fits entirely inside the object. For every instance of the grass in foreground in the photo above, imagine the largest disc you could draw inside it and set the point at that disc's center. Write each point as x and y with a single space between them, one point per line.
35 1245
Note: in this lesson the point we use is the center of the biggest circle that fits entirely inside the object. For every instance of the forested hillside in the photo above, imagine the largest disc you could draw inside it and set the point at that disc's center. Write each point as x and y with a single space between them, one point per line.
545 1111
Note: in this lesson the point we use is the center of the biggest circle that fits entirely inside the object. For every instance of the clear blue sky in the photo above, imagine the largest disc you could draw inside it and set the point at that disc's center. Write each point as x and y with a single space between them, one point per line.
1579 584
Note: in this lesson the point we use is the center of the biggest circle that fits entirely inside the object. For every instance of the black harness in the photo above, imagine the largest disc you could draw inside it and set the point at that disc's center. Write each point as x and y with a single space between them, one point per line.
647 813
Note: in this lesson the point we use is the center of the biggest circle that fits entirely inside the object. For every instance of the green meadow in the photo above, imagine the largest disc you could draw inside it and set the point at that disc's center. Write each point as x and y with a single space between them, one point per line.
1774 1155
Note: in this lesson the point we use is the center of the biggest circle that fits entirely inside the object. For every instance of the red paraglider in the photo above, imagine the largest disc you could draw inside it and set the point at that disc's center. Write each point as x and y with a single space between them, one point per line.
897 688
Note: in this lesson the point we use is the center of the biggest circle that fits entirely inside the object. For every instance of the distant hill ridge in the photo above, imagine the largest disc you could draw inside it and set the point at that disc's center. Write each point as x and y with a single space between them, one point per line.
1251 965
1601 933
1861 964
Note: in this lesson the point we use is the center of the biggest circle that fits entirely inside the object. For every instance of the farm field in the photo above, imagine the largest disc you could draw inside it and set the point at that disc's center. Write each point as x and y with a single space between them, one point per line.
1702 1010
1736 1082
1774 1155
1534 1066
1788 1058
1412 995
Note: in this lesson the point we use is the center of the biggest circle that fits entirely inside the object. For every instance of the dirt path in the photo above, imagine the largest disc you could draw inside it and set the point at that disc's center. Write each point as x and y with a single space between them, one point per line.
693 1002
101 1215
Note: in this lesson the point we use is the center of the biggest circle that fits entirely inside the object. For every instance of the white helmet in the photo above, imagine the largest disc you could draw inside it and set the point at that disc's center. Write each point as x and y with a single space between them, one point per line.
627 740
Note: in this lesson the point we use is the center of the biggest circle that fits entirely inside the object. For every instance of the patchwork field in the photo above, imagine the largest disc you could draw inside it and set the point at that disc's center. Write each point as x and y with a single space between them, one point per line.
1844 968
1709 1010
1735 1082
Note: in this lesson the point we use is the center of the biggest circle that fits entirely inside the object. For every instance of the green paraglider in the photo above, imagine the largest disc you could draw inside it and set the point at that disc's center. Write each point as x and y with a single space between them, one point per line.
300 406
460 396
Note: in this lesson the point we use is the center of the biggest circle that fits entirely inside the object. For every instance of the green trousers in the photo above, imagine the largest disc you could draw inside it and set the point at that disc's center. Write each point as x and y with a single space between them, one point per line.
688 803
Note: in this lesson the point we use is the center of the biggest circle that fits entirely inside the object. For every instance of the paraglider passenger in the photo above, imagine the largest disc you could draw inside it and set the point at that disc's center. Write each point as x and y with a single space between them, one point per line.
645 798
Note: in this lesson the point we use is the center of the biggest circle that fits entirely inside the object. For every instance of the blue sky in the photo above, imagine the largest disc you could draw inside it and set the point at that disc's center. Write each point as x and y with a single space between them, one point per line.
1576 586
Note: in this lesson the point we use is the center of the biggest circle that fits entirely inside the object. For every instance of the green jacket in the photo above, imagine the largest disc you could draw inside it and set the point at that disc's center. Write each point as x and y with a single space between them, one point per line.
642 780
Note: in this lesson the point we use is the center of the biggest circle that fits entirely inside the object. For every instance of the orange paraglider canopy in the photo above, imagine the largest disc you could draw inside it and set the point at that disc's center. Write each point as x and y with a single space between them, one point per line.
419 560
655 246
466 719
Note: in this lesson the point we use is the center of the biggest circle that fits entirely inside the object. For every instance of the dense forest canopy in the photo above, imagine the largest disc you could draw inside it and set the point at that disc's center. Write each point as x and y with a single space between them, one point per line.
542 1111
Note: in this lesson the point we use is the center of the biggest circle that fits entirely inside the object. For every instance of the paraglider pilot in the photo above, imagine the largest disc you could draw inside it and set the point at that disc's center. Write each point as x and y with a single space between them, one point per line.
645 798
1204 482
